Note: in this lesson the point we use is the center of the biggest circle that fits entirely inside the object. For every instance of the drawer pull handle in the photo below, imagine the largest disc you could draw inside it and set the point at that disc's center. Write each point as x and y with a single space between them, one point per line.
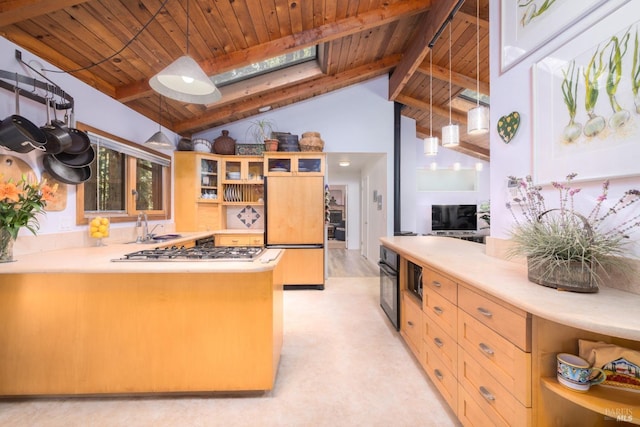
438 342
436 284
438 374
410 323
485 312
485 348
487 394
437 310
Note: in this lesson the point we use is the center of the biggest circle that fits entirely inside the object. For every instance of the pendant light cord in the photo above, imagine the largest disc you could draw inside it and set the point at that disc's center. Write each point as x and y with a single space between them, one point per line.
450 93
478 53
431 92
108 58
187 27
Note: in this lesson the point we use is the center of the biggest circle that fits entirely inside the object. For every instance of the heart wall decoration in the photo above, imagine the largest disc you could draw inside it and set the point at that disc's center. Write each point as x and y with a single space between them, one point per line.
508 126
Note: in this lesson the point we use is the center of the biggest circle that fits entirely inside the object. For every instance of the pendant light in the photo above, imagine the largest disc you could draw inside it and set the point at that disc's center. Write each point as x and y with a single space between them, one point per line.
478 117
159 139
184 80
431 142
451 132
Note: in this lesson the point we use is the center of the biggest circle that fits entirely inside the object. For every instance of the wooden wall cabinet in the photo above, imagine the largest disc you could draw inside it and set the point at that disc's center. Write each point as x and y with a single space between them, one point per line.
197 191
295 163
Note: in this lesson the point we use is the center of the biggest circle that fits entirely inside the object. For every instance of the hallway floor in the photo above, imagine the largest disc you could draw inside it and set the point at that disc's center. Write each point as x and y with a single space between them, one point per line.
342 364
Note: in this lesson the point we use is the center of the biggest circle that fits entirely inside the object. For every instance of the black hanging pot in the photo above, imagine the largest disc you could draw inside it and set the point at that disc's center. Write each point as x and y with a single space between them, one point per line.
64 173
19 134
77 160
58 136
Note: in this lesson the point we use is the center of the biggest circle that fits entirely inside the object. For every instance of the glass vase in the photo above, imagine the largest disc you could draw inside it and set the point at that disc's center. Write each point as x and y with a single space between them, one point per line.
6 245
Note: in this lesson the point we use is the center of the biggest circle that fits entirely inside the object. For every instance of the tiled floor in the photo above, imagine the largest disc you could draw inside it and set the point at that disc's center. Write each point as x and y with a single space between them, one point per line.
342 365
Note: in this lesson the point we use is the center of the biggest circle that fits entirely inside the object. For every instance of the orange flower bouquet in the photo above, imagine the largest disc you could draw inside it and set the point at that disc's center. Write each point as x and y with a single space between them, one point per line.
20 203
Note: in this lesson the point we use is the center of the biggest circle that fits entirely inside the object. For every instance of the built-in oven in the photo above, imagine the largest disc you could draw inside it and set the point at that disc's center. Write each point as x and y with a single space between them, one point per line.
389 287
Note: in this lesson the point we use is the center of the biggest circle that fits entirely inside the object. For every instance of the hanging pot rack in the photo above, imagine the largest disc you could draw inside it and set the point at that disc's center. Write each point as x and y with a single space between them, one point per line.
30 85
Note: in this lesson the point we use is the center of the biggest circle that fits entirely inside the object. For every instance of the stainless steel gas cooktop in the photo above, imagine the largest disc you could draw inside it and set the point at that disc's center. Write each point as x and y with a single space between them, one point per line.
222 253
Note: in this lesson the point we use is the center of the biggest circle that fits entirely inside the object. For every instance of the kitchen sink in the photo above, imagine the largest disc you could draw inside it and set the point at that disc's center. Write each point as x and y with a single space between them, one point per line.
158 239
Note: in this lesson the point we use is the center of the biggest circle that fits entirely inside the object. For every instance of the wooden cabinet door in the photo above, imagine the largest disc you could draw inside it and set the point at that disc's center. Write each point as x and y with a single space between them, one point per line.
295 210
303 267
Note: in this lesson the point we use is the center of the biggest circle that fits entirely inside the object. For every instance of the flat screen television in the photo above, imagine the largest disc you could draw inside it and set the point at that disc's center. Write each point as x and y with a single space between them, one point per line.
454 218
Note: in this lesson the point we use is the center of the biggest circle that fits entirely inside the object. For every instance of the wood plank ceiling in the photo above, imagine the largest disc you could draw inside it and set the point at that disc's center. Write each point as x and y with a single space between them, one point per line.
357 40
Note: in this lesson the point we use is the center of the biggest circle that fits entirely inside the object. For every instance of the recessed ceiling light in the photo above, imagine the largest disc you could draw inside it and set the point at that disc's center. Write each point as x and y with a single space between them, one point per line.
264 109
344 163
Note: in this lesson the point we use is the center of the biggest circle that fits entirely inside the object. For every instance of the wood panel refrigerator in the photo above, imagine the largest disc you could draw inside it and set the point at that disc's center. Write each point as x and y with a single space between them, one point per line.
294 221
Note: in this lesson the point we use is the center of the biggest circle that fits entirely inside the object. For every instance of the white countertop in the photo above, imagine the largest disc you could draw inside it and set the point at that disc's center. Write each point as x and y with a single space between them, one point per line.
97 259
609 311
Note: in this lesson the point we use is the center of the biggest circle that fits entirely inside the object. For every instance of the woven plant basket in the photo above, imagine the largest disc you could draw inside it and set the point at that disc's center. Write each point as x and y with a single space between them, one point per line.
311 141
566 275
574 276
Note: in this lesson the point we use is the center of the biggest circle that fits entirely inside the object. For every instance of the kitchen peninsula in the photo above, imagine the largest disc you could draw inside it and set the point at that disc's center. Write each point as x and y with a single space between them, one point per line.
72 322
488 338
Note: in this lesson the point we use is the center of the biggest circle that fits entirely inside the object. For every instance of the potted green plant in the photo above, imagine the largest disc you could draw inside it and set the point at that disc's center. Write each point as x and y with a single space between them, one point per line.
261 132
564 248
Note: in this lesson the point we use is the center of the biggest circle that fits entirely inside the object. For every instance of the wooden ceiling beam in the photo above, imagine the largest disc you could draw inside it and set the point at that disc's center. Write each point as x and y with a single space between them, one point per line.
324 33
301 91
442 73
437 109
464 147
419 46
12 11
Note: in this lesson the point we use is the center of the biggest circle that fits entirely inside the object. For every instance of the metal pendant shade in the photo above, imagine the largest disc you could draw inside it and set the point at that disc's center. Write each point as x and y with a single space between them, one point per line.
159 139
478 117
431 146
451 136
478 120
431 142
184 80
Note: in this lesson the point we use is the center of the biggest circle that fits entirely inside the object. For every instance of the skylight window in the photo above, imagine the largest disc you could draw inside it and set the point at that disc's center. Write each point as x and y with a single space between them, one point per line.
472 95
266 66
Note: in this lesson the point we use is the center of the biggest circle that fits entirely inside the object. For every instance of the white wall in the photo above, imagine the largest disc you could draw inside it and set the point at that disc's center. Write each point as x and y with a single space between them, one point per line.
416 214
91 107
513 91
357 119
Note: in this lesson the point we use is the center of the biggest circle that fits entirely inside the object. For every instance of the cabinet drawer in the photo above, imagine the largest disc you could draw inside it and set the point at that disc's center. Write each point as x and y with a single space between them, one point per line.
509 365
239 240
443 378
472 414
489 393
411 323
513 324
440 342
440 284
444 312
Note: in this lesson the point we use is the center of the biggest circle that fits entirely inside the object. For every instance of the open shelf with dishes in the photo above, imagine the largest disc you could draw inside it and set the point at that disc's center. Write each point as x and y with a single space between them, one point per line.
243 194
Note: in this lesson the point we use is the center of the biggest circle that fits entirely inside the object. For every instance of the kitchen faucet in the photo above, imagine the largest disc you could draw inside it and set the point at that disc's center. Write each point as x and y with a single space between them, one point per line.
146 234
142 237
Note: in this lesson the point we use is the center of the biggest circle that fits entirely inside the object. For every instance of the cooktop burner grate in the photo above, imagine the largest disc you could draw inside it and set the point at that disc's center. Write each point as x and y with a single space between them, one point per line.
223 253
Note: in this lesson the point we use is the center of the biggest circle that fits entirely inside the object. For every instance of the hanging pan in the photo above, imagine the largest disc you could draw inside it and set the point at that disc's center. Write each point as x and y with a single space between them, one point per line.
80 141
58 136
19 134
77 160
64 173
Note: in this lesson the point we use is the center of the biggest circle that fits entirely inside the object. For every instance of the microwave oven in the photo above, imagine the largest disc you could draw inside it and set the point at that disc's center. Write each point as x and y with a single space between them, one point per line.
414 279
